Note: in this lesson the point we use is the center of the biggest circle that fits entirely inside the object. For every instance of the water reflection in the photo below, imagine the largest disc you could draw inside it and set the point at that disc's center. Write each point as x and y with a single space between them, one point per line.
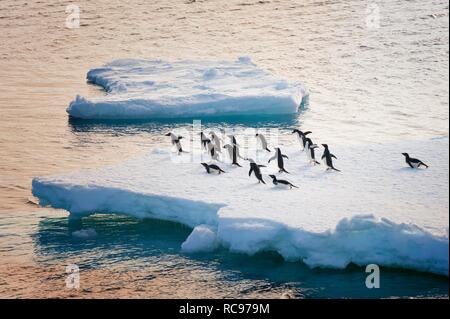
153 245
287 122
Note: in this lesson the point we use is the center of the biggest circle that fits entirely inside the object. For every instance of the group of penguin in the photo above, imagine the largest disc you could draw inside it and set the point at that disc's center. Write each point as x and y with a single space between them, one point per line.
213 146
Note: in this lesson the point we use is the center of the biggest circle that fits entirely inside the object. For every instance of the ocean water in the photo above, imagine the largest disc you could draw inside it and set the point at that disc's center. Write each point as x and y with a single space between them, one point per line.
368 83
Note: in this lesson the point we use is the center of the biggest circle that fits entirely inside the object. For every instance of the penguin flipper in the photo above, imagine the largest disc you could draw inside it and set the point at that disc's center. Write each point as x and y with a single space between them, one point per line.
267 149
285 156
250 171
333 156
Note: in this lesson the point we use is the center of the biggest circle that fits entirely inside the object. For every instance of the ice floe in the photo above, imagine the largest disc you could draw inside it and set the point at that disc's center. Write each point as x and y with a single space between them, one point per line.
142 89
377 210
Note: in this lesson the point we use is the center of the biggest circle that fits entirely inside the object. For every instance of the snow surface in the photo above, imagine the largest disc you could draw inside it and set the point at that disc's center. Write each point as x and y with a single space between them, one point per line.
377 210
141 89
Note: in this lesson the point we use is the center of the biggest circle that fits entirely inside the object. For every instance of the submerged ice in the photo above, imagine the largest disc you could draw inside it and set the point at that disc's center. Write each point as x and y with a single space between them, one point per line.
141 89
376 211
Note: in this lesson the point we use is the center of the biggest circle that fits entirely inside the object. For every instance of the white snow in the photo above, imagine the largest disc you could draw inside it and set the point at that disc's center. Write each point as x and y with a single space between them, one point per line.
377 210
142 89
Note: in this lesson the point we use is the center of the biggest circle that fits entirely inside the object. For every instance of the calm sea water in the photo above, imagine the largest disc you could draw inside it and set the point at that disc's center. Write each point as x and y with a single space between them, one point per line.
370 80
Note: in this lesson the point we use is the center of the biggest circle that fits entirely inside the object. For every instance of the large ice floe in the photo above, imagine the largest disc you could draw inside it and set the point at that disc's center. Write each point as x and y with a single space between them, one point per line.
142 89
377 210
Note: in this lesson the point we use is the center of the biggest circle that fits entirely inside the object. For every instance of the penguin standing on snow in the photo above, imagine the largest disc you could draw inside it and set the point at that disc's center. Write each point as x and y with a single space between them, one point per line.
311 153
255 168
281 182
212 168
173 137
233 152
413 162
262 140
216 141
233 140
302 136
178 146
204 140
279 156
310 146
327 158
212 151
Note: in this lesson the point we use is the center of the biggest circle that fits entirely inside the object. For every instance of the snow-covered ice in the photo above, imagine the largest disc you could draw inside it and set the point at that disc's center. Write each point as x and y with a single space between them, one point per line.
377 210
142 89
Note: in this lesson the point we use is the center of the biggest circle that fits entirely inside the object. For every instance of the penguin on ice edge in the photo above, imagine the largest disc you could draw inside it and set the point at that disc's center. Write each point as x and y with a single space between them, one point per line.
283 182
255 168
413 162
204 140
279 156
301 136
174 137
263 141
327 158
212 167
310 146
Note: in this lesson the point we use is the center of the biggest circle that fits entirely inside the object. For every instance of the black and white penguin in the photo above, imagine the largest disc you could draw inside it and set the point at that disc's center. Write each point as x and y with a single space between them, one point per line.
233 140
204 140
255 168
311 153
216 141
414 162
281 182
301 136
233 152
279 156
174 137
262 140
327 158
178 146
212 150
210 168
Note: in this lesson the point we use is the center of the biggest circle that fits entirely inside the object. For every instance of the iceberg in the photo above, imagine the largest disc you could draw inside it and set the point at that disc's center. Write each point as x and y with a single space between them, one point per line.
142 89
376 211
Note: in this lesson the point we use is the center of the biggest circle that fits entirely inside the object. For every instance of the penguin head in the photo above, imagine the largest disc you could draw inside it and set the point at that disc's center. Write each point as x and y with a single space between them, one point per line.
250 160
168 134
204 164
295 131
325 145
405 154
273 176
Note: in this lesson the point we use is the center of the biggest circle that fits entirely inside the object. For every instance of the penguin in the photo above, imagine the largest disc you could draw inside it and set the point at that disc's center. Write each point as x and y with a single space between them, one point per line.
301 136
212 151
233 140
255 168
178 146
263 141
311 153
233 152
229 148
413 162
216 140
212 167
174 137
204 140
327 158
282 182
279 156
